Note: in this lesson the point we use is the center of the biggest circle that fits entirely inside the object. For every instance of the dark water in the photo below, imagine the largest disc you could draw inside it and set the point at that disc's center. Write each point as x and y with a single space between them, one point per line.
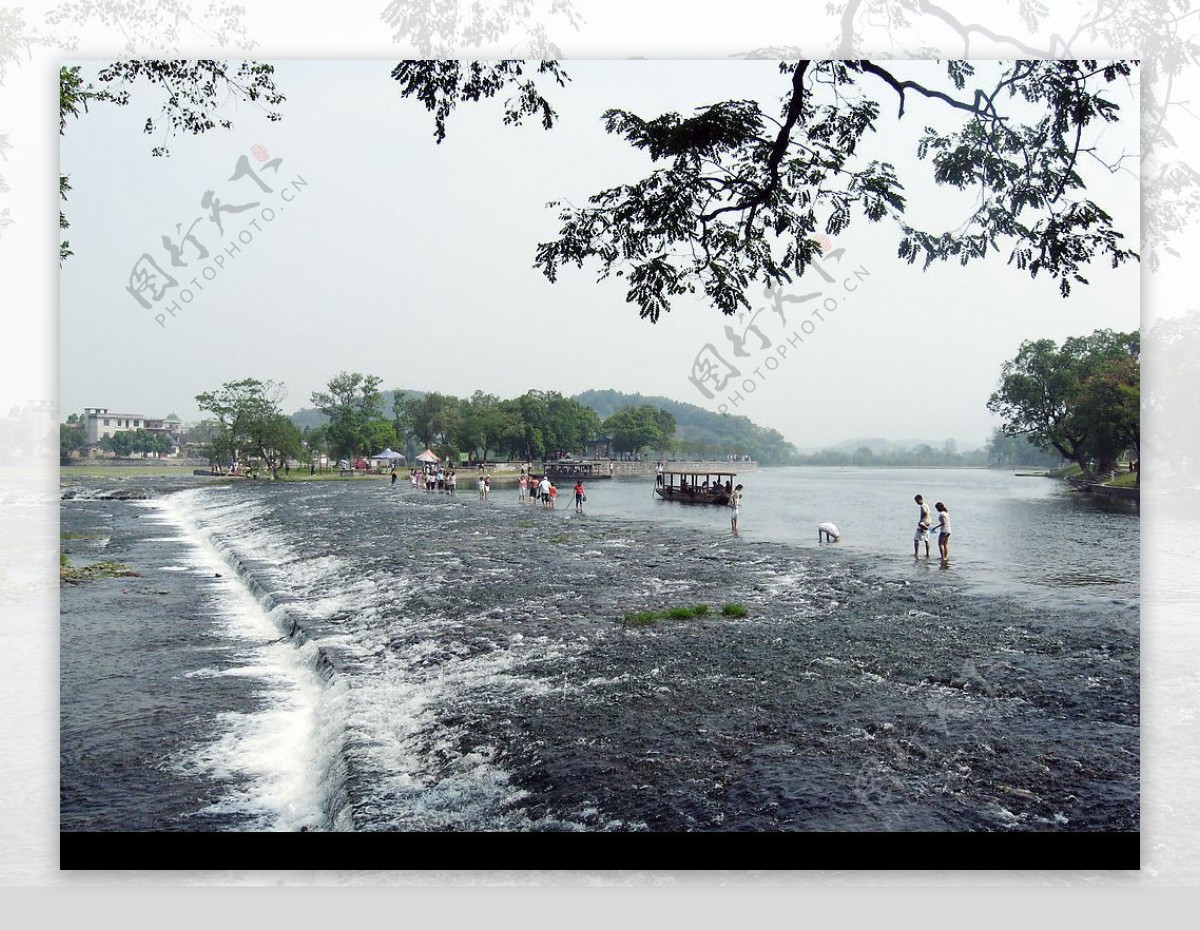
376 658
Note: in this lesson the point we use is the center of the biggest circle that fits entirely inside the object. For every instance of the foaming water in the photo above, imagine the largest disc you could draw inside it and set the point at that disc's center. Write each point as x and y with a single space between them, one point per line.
284 754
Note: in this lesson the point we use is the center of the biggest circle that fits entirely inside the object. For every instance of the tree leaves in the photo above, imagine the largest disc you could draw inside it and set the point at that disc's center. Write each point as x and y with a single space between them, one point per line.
441 85
731 194
194 90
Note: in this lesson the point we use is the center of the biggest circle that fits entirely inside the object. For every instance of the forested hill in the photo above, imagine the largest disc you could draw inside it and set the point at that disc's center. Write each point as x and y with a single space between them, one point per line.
700 432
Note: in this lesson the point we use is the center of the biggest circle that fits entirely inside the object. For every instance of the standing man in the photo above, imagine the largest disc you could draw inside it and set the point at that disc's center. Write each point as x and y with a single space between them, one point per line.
658 473
921 533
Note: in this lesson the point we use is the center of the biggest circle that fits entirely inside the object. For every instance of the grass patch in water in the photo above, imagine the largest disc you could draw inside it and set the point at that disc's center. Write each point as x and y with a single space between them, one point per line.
646 617
734 610
558 538
78 536
68 574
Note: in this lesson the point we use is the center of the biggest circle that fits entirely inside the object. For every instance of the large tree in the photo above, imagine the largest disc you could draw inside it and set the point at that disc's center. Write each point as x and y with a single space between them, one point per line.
568 424
486 425
354 405
1080 398
635 428
735 193
433 418
250 424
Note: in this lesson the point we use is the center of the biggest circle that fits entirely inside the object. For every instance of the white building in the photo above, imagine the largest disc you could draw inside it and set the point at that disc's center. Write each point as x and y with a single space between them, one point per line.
101 422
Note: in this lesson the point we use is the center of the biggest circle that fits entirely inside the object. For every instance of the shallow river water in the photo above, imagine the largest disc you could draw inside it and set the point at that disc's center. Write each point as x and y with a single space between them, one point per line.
356 656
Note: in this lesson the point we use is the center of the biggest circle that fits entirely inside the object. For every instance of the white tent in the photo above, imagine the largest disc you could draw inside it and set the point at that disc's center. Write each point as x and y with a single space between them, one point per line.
387 455
428 456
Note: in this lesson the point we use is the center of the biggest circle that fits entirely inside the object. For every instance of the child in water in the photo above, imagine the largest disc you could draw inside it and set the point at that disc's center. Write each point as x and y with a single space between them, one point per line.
943 528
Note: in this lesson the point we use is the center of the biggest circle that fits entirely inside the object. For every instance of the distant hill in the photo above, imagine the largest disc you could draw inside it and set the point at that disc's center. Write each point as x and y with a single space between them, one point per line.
883 446
701 432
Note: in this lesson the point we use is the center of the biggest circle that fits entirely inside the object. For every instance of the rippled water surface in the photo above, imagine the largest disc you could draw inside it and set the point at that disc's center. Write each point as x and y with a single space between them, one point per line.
359 656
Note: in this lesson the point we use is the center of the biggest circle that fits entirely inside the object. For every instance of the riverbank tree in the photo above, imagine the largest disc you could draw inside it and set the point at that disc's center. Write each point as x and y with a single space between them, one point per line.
72 439
354 405
135 442
635 428
432 418
1081 398
535 425
249 424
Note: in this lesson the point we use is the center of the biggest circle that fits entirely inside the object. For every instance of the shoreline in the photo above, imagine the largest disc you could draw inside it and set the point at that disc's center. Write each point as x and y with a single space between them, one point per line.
507 471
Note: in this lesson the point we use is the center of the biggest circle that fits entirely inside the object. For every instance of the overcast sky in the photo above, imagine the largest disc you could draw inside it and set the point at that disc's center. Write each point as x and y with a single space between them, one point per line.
392 255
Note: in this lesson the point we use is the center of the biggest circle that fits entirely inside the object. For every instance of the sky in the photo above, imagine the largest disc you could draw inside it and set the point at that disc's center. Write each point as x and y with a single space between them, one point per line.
388 254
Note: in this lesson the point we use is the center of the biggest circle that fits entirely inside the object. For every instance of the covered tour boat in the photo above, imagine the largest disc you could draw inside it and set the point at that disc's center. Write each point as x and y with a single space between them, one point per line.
589 471
697 487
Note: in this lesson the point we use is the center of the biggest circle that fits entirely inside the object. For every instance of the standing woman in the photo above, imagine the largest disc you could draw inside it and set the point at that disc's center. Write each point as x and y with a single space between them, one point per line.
735 504
521 485
943 528
579 496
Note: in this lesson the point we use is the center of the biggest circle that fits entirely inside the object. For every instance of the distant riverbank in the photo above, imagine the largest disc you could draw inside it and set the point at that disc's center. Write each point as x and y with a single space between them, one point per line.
500 470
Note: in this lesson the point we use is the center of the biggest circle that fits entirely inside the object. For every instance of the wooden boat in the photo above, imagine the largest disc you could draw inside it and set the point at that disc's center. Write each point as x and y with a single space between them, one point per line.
697 487
590 471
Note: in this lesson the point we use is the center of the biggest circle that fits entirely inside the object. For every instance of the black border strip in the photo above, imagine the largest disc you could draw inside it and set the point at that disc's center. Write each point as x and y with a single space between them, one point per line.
822 851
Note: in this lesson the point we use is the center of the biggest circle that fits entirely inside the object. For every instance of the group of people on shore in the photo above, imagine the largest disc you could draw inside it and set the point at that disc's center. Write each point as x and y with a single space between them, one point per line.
925 525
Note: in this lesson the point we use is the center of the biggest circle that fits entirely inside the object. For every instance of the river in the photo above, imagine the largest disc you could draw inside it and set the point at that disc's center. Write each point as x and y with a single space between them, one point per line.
358 656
